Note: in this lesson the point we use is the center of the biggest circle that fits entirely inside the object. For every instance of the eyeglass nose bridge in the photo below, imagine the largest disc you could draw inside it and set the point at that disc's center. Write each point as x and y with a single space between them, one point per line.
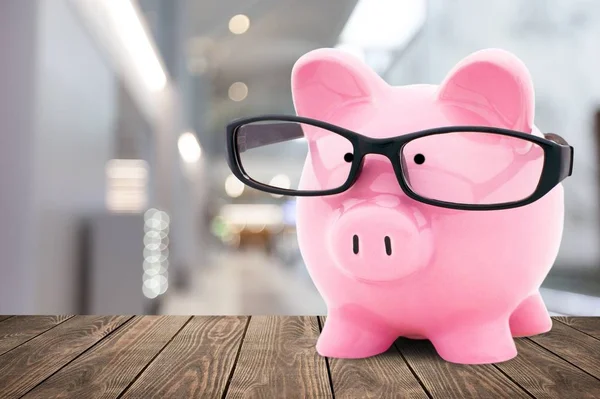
391 151
386 147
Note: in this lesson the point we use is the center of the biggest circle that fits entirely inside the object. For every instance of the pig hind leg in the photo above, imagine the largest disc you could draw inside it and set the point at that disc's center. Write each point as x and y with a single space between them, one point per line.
530 317
474 342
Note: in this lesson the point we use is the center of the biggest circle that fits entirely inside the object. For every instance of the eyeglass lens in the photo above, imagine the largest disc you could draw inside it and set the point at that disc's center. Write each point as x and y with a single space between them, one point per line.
472 167
269 150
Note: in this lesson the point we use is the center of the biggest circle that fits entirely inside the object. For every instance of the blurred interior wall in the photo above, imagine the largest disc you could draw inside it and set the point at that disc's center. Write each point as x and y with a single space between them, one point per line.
150 122
56 142
17 93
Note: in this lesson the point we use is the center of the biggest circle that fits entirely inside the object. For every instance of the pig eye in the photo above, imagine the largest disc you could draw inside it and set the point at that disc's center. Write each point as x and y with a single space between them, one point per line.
348 157
419 159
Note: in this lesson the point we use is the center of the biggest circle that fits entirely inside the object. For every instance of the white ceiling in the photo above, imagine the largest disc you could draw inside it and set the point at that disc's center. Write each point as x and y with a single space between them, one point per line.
280 32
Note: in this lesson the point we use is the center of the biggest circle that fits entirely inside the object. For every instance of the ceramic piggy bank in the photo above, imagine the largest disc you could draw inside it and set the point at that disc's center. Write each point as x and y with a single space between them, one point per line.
388 265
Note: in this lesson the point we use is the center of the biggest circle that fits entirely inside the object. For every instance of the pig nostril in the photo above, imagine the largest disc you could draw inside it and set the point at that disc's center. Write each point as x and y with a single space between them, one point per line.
355 244
388 245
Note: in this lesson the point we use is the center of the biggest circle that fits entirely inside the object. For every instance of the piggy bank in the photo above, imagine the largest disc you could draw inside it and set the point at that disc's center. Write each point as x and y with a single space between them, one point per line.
388 266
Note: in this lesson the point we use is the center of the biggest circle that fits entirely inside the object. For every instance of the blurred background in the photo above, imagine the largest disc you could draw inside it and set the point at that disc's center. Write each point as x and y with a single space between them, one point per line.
114 192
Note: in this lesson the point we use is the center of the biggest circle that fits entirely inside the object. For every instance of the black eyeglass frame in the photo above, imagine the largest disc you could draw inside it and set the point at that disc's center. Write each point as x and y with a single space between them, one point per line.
558 158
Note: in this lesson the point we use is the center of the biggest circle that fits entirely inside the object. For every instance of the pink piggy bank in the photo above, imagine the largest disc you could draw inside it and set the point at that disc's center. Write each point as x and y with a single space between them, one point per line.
390 266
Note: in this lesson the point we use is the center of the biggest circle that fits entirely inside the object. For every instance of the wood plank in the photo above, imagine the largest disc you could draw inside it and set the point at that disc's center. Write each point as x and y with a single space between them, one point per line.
106 370
2 318
20 329
382 376
588 325
443 379
26 366
572 345
278 359
197 363
544 374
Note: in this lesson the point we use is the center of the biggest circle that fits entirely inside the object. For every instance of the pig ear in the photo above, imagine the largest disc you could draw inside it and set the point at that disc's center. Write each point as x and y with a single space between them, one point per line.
495 85
328 81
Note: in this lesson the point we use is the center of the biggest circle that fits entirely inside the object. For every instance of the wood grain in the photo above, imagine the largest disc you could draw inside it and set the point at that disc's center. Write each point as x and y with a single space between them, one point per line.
196 363
26 366
449 380
546 375
382 376
271 356
108 368
572 345
278 360
2 318
588 325
20 329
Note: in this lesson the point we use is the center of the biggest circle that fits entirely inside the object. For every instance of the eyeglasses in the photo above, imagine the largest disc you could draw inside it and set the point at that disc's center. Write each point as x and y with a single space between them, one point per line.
456 167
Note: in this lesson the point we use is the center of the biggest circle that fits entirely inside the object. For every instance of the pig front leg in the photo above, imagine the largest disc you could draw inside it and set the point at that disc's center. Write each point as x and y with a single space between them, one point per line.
352 334
530 318
476 343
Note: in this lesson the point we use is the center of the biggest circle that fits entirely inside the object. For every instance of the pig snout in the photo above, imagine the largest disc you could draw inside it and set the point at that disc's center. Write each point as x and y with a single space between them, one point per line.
373 243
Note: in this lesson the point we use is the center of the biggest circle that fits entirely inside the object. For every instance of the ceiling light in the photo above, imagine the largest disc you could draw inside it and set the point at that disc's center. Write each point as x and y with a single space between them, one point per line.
233 187
126 20
252 214
238 91
239 24
280 181
189 148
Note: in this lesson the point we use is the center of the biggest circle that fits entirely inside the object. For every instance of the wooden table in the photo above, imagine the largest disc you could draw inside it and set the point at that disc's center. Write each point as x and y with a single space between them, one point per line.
270 357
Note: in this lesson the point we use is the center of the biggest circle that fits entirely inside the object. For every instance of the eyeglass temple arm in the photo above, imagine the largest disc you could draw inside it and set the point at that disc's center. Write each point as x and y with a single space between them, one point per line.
567 155
253 136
